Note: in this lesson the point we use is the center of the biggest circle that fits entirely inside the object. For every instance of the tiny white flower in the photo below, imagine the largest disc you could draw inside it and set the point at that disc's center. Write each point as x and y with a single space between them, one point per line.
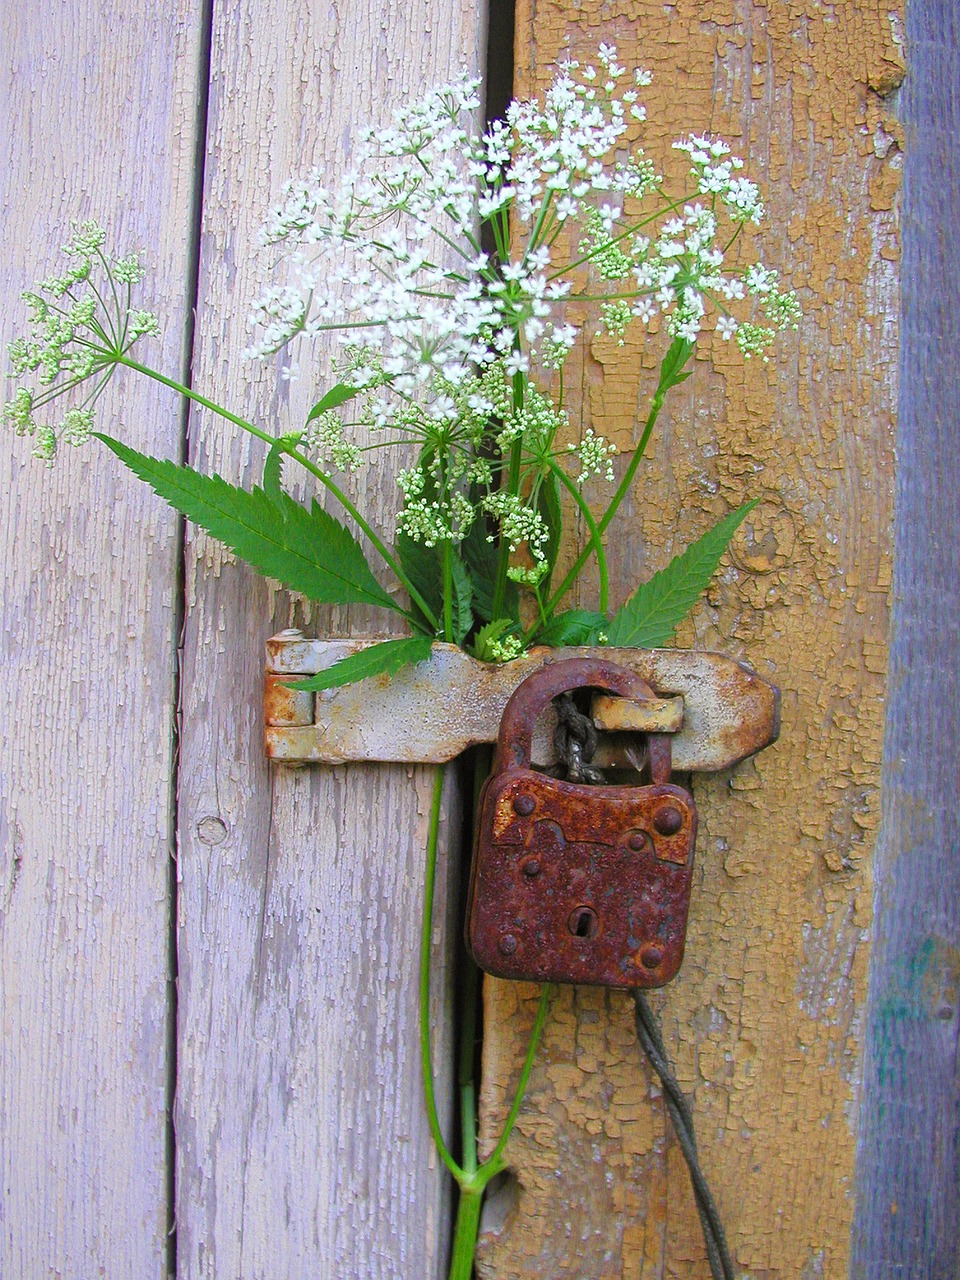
726 327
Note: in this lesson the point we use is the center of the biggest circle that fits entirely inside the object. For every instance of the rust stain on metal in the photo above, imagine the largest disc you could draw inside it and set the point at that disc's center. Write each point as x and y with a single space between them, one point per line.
664 715
284 707
575 883
431 712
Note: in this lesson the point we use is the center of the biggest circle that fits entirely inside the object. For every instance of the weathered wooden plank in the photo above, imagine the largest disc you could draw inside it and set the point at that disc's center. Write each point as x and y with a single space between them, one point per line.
908 1171
98 105
765 1019
303 1146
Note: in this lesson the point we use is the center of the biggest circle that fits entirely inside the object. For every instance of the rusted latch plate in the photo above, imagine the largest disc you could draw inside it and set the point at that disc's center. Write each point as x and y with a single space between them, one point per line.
718 710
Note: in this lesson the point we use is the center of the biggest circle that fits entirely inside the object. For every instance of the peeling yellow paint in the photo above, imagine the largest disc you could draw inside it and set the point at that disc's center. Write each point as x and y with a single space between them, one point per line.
764 1023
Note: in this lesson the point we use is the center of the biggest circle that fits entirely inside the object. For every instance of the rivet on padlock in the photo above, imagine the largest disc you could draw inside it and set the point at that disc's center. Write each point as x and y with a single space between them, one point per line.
572 882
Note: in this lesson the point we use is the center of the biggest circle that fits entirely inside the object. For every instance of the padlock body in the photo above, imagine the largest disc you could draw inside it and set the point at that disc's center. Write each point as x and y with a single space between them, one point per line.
581 884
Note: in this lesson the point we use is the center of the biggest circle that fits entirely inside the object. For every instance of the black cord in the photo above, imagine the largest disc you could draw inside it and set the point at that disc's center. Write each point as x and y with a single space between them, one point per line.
648 1033
575 741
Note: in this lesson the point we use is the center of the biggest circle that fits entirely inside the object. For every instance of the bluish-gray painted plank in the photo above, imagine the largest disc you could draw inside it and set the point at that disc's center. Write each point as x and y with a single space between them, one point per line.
96 120
908 1174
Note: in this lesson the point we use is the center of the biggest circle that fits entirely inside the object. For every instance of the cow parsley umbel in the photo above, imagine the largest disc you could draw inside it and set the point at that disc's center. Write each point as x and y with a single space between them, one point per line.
451 272
81 325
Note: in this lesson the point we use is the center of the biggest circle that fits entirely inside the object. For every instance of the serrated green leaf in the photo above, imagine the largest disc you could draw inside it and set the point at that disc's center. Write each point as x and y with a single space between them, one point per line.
334 398
677 355
655 610
575 626
385 658
551 513
273 471
421 565
487 635
462 600
307 550
480 557
273 464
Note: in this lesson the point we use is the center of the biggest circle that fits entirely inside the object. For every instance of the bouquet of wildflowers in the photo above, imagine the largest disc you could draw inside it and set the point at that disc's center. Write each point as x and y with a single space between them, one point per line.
454 271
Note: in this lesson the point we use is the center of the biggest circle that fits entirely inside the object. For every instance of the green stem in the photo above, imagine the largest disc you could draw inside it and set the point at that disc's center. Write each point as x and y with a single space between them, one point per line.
595 540
470 1005
615 502
465 1232
513 487
471 1178
448 591
190 394
668 207
472 1187
543 1008
426 1056
304 461
468 1091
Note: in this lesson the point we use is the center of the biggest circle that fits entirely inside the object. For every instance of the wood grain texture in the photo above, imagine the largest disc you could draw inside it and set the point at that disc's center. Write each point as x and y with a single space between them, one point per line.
765 1022
94 125
302 1138
908 1170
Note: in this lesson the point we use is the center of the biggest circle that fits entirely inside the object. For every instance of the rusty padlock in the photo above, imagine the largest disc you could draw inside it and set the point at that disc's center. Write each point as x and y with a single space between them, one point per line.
578 883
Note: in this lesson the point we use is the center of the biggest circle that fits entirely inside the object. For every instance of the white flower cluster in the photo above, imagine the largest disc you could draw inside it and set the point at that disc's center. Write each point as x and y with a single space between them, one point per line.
357 256
77 332
595 455
389 260
453 267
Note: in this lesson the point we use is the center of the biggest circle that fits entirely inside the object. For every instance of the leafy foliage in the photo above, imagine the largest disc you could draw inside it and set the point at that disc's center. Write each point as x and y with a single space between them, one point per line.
576 626
652 614
462 600
273 465
421 564
488 646
385 658
424 568
548 507
304 548
333 399
480 557
677 355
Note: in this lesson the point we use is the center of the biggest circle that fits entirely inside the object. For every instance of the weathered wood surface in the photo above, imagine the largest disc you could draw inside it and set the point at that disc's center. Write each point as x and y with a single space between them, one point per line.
302 1141
98 121
765 1022
908 1170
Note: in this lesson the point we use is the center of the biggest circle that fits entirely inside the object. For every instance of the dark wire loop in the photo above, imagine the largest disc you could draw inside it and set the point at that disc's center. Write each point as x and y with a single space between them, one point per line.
651 1041
575 741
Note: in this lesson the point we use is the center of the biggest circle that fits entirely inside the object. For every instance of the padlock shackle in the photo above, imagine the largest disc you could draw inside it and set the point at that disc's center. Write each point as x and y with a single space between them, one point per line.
529 699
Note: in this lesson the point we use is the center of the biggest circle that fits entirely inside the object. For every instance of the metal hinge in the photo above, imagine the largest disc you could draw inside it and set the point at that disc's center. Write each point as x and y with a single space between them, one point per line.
718 710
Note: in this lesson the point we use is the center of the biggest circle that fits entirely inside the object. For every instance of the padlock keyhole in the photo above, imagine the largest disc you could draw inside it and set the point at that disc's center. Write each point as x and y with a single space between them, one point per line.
583 922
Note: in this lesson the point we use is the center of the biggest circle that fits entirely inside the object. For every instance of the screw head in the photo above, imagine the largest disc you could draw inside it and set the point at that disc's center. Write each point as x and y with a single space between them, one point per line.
531 868
524 805
507 944
668 821
636 841
651 956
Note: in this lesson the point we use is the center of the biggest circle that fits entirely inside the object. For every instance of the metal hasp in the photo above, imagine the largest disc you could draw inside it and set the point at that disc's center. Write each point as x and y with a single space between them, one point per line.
717 711
572 882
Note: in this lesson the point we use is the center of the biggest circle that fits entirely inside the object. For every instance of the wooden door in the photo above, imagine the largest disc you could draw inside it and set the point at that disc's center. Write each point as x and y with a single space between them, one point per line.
810 940
207 968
